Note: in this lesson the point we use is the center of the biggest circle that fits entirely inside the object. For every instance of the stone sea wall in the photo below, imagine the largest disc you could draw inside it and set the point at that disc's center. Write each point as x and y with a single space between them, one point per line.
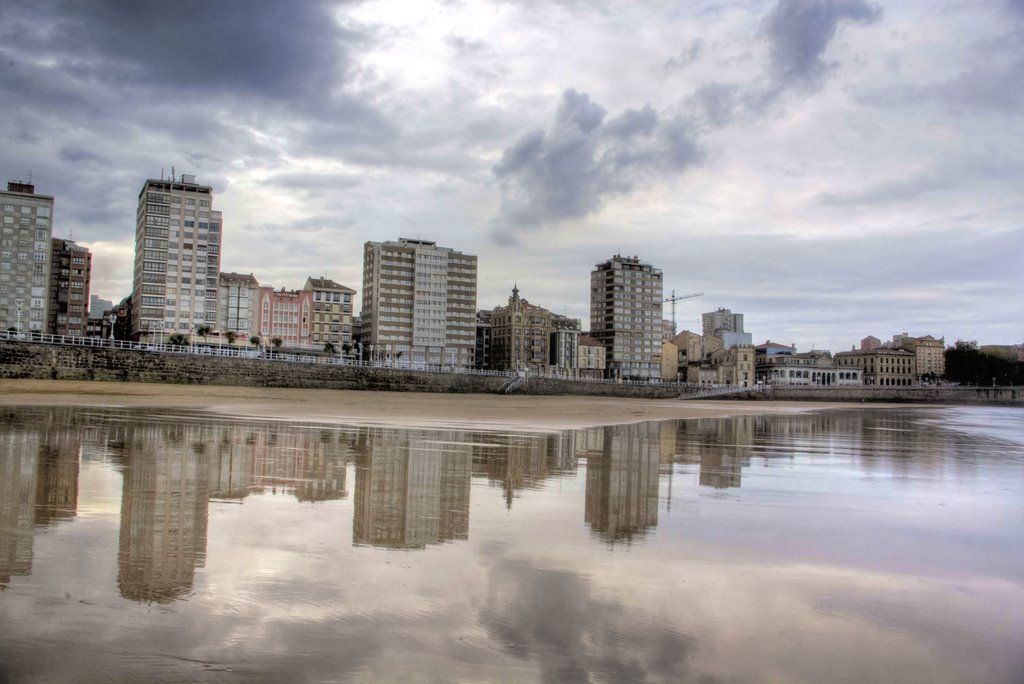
51 362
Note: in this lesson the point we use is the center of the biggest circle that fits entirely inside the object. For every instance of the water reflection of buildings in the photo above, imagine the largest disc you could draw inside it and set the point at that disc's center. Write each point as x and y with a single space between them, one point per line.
412 488
172 471
39 468
517 462
722 448
163 511
622 480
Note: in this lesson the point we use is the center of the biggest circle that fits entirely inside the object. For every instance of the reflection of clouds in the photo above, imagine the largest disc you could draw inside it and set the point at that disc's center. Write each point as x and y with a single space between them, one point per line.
756 590
555 619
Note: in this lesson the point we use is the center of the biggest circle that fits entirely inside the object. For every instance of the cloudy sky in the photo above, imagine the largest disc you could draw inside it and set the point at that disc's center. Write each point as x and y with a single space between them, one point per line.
829 168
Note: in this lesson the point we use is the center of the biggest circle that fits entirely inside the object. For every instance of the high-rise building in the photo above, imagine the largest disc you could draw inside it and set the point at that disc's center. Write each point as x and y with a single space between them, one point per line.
419 303
24 257
70 273
177 257
237 295
625 316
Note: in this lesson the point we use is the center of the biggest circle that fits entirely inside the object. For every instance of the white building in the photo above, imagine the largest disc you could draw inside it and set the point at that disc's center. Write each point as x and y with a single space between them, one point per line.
25 236
177 257
625 316
236 303
418 303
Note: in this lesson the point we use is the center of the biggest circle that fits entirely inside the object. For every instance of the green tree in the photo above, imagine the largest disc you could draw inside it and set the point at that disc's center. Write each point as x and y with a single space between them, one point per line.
329 348
231 336
177 340
254 340
203 330
277 342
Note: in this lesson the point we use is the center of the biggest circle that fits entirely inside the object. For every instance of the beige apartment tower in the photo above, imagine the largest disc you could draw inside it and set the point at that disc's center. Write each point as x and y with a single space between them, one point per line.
418 304
24 257
625 316
177 257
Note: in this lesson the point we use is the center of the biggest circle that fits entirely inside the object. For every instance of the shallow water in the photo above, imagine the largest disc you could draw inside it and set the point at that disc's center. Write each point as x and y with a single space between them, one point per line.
844 546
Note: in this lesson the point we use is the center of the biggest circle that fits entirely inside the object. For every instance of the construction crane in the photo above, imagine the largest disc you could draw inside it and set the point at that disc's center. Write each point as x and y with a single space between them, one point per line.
675 299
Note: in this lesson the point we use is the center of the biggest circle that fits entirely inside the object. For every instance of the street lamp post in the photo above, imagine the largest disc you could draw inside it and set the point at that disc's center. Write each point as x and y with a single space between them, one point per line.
20 303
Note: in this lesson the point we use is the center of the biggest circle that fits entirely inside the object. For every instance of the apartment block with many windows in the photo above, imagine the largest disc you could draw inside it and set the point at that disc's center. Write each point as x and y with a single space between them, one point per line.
70 274
177 257
25 234
625 316
418 303
237 296
332 312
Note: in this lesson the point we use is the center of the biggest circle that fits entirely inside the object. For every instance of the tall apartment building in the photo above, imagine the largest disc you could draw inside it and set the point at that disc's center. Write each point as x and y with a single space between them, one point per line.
332 312
419 303
24 257
70 274
177 257
625 316
237 296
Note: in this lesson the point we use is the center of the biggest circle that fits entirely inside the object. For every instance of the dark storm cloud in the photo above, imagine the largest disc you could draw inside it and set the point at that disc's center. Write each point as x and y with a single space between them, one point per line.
263 48
566 172
553 619
799 31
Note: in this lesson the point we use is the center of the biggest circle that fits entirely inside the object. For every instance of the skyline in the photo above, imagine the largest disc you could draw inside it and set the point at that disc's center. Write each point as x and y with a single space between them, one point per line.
830 169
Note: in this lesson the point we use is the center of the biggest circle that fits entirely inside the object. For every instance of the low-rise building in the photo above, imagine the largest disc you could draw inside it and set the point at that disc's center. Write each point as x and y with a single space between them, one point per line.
807 368
237 296
523 334
284 314
669 362
331 322
592 358
930 354
881 367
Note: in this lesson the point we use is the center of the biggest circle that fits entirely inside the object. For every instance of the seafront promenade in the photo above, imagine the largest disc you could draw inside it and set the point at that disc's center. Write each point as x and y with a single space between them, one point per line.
86 359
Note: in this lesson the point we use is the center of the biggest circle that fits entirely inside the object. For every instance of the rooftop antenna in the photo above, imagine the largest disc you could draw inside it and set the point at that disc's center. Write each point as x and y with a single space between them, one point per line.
161 174
173 179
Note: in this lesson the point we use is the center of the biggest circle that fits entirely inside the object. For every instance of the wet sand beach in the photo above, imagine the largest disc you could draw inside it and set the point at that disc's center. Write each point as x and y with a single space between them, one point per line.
405 409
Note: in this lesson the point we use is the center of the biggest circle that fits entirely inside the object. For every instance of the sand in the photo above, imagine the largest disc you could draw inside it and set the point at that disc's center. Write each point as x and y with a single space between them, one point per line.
405 409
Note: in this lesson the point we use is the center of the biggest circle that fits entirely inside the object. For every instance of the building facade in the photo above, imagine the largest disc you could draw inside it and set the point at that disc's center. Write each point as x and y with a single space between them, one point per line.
592 359
70 273
418 303
237 297
284 315
625 316
177 257
930 354
482 357
332 313
525 336
881 367
778 367
25 236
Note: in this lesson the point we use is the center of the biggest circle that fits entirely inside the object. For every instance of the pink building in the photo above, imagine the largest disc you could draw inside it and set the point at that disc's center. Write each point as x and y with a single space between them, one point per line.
285 314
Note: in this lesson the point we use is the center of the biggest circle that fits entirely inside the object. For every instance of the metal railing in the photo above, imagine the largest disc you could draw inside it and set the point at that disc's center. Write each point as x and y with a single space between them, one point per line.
233 351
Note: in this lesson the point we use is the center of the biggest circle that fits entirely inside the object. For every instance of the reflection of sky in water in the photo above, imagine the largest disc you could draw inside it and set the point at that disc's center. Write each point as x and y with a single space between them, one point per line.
836 546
